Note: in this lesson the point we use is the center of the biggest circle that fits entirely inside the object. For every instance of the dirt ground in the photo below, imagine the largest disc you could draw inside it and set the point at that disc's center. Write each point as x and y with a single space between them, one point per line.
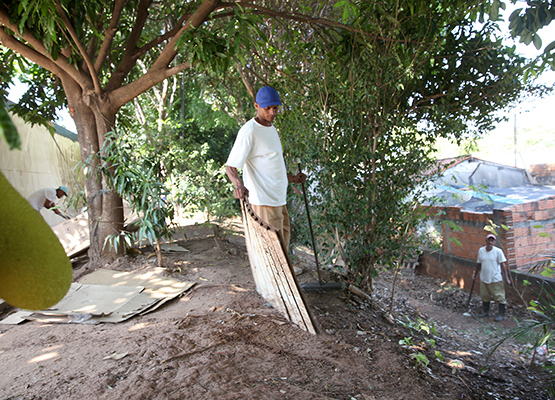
220 340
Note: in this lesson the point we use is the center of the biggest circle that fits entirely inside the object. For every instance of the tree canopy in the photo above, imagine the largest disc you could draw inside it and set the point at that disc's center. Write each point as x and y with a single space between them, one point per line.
526 22
367 87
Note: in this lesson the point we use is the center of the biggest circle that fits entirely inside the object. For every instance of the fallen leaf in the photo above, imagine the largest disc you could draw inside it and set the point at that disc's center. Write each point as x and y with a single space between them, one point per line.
115 356
455 364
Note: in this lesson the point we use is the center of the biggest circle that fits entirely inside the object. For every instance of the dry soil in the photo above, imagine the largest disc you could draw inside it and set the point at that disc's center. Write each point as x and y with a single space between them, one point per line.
221 340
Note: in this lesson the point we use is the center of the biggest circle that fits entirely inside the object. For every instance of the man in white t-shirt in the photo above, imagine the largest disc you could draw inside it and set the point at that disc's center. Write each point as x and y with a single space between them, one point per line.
46 198
258 152
492 266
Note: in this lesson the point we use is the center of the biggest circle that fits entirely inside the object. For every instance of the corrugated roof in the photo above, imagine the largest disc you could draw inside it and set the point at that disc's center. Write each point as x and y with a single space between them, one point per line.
481 186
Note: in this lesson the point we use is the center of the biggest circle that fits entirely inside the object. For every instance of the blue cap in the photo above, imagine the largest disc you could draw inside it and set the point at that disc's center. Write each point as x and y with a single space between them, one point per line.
267 96
63 189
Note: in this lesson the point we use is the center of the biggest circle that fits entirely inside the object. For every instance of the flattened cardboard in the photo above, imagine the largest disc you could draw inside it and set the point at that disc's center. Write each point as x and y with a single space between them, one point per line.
97 300
108 296
74 234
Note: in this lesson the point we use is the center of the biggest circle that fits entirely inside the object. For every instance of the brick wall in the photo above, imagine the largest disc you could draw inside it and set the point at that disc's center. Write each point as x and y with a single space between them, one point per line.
533 233
464 233
544 173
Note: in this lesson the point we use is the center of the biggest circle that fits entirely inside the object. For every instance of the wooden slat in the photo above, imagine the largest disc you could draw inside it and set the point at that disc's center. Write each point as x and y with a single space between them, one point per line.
272 270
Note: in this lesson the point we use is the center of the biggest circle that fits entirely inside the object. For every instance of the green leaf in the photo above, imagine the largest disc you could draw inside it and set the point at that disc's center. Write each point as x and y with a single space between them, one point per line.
537 41
544 234
340 3
547 274
515 14
549 48
8 129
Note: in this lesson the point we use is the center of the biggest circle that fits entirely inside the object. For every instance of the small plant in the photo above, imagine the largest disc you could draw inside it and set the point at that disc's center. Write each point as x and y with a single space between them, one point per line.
416 327
439 356
419 325
421 359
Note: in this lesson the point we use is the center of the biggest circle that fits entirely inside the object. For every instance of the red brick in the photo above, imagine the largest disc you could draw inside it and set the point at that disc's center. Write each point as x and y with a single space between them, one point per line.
516 217
522 241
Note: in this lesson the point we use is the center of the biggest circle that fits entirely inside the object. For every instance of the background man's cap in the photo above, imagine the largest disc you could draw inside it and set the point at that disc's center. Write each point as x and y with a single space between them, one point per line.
268 96
491 235
63 189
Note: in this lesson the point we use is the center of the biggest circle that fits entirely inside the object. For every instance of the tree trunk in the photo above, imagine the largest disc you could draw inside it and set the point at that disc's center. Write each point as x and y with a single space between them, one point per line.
105 207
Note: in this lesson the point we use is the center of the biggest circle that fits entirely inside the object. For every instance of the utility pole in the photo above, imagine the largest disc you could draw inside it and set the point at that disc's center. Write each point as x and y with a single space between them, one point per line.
516 152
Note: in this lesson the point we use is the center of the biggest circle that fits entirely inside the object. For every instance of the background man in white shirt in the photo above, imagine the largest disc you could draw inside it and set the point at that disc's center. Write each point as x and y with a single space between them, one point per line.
493 269
46 198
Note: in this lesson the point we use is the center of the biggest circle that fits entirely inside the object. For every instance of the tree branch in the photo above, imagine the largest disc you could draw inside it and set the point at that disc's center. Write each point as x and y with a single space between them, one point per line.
11 42
92 71
130 54
36 52
125 94
199 16
164 37
110 34
160 70
286 15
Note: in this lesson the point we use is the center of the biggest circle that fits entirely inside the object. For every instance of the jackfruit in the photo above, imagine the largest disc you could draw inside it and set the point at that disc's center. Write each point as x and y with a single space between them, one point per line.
35 272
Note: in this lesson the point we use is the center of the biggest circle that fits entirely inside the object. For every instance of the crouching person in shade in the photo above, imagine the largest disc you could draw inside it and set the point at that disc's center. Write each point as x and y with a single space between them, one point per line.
493 269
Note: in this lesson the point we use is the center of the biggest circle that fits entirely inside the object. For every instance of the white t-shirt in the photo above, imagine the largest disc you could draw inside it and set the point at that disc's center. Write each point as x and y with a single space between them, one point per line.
38 198
257 151
491 261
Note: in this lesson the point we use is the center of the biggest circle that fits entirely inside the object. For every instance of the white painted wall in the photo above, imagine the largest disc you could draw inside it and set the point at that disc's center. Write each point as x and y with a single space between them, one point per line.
43 161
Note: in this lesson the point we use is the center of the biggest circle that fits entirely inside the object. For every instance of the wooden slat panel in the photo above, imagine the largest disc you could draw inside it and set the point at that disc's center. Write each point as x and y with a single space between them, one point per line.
273 274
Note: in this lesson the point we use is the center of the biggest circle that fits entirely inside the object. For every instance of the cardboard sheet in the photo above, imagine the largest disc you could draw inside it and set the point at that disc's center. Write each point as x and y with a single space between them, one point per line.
154 283
108 296
173 248
93 299
74 234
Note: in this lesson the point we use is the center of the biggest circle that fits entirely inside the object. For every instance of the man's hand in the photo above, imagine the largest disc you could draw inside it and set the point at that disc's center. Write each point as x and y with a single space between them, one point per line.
508 278
299 178
240 192
61 214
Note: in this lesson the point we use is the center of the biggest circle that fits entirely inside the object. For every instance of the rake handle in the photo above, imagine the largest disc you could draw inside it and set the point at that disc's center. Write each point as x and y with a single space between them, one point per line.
471 290
310 228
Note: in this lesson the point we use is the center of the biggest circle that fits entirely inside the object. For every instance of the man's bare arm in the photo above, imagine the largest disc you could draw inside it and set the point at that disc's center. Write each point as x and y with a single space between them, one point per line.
505 272
240 189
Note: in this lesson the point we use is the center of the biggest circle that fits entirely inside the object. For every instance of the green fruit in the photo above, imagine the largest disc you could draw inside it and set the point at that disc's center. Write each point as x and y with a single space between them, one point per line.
35 272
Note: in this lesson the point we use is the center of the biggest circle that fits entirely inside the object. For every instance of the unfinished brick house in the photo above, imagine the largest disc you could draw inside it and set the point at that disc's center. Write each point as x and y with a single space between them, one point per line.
544 174
510 197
